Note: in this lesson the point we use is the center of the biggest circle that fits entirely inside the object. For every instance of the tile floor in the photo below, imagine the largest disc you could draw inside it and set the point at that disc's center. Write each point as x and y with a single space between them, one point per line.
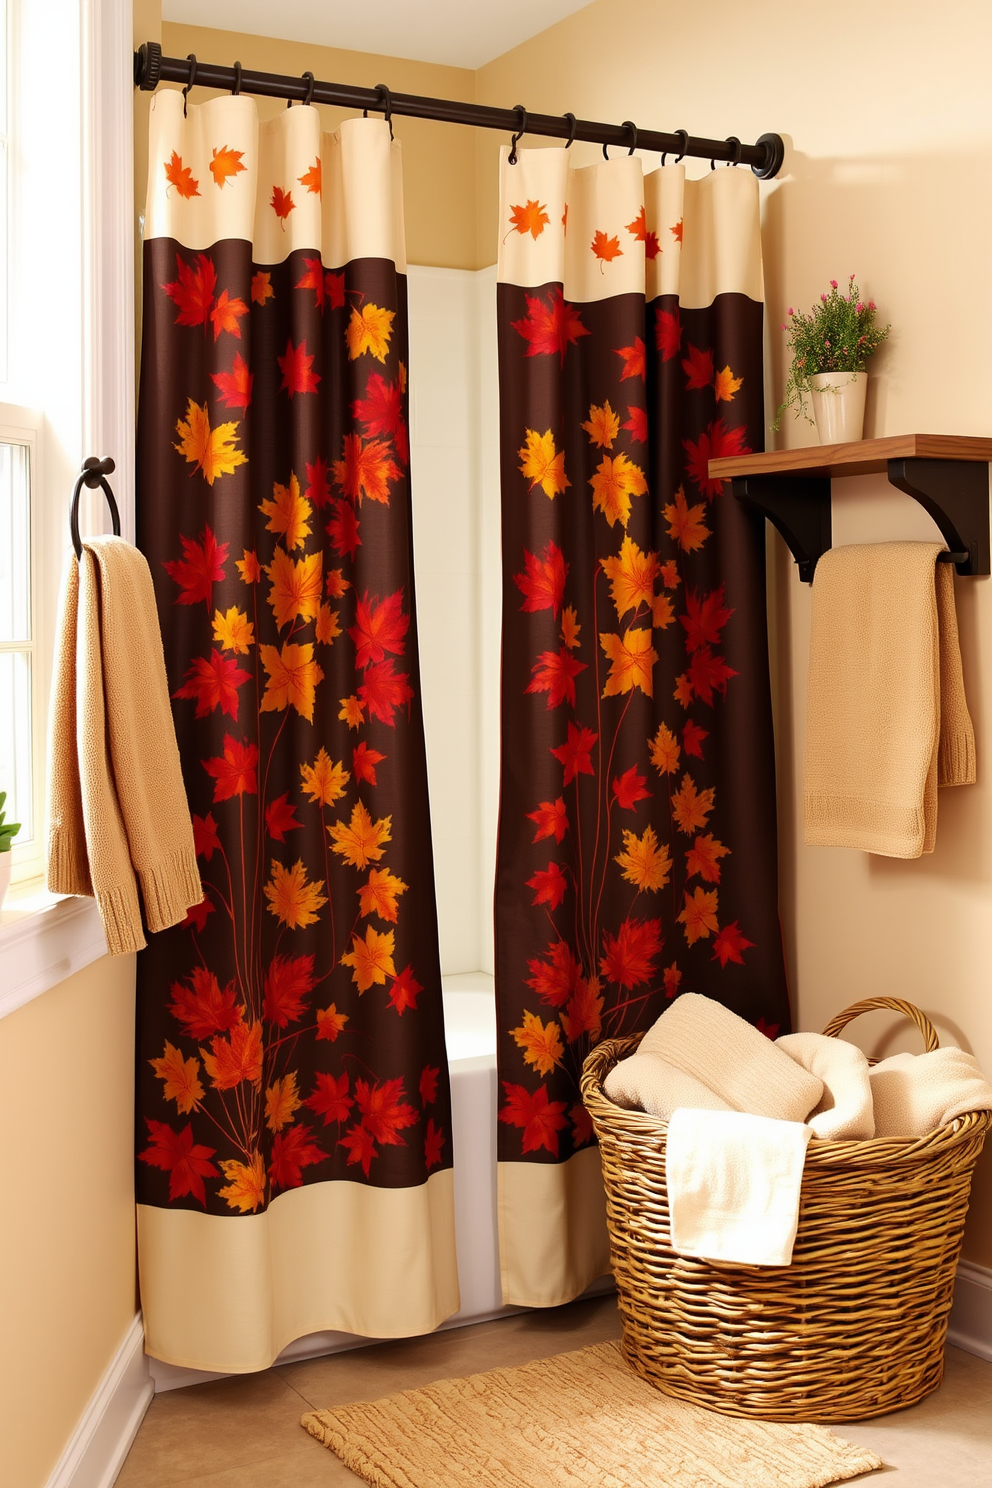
246 1433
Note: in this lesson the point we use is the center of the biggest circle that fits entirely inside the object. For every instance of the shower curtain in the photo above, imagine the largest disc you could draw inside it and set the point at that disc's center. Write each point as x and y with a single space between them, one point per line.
637 838
294 1157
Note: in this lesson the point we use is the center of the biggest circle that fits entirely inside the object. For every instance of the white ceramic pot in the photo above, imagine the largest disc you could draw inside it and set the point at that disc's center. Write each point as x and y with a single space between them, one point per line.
5 862
839 405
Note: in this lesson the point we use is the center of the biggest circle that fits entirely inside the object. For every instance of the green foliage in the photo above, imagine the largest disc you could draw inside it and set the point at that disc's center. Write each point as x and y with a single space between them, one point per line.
8 830
837 335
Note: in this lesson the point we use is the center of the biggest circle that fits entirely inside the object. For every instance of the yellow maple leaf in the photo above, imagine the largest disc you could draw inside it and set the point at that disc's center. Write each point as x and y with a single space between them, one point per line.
282 1099
685 523
631 661
324 781
295 586
543 465
665 751
379 894
245 1189
643 861
249 567
288 513
602 425
699 915
261 287
327 628
541 1042
615 481
352 712
180 1076
632 574
692 806
361 841
330 1022
291 678
570 628
233 631
726 385
704 858
293 899
211 451
371 959
662 612
369 329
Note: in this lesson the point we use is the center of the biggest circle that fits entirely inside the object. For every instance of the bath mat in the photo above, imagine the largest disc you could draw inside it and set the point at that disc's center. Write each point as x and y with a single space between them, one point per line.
578 1420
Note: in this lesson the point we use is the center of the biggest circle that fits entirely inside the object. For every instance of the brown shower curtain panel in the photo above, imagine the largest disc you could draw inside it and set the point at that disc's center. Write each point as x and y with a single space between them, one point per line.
294 1153
637 841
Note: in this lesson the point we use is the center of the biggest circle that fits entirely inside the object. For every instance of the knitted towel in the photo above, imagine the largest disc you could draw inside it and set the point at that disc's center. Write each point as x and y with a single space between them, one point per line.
117 804
845 1110
916 1093
645 1082
886 715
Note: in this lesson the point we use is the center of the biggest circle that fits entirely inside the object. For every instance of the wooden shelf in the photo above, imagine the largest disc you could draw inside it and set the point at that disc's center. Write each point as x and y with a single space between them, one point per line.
865 457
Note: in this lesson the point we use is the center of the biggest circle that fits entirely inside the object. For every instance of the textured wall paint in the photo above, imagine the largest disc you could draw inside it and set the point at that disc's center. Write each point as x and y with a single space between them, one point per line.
67 1268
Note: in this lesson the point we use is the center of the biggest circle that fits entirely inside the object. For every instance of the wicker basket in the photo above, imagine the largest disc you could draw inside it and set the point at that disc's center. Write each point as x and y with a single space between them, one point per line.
854 1327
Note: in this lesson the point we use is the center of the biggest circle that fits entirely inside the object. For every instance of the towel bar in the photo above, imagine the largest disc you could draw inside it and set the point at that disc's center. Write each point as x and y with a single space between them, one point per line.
94 473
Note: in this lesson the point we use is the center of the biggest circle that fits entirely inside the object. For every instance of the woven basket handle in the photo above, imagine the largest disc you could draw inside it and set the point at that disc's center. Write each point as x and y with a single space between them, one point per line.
895 1005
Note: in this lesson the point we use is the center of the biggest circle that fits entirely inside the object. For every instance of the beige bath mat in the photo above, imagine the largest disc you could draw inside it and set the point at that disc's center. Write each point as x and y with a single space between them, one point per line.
579 1420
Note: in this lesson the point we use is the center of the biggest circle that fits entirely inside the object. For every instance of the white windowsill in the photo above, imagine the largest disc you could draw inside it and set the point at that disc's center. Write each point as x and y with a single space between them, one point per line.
44 938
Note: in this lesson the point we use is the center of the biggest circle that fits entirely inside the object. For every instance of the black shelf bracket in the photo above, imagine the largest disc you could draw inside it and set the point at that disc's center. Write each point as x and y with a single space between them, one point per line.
798 506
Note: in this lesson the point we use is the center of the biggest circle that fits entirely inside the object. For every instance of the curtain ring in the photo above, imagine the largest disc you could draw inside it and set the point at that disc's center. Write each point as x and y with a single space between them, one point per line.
387 105
521 114
571 130
310 82
683 139
738 147
629 124
237 80
191 59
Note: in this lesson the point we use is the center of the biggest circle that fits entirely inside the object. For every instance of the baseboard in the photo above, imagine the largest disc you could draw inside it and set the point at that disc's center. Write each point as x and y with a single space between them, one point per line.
95 1452
970 1327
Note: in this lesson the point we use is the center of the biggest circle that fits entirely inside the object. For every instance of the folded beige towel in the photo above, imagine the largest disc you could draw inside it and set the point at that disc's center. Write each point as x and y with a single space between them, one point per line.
916 1093
886 715
845 1112
733 1184
645 1082
117 803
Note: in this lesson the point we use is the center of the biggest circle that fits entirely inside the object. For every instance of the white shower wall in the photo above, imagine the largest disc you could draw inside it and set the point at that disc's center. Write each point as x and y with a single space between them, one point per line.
454 432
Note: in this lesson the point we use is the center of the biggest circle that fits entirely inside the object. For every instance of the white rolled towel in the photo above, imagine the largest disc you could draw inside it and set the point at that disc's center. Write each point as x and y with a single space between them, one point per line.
845 1112
916 1093
645 1082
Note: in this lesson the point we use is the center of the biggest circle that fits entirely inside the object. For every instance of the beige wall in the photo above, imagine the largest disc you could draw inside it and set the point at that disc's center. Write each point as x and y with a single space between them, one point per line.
890 112
67 1269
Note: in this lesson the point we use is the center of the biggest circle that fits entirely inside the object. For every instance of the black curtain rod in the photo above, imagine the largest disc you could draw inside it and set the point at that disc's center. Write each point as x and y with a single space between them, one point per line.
151 68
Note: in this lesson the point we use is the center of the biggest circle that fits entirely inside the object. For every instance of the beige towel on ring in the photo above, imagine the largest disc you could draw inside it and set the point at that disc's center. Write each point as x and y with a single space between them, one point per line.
117 804
886 716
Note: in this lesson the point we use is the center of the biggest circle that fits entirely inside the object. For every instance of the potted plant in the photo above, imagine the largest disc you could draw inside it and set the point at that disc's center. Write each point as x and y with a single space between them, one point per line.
830 346
8 831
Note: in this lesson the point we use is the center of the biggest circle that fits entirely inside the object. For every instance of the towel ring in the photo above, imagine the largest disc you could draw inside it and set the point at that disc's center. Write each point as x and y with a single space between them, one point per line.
94 473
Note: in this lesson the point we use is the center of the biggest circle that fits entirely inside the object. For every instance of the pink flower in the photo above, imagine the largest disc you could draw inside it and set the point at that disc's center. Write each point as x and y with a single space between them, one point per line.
859 307
872 305
825 341
790 311
833 284
851 278
823 298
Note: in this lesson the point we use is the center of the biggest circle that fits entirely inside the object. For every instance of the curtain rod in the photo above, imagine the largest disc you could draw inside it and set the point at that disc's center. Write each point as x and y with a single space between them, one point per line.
151 68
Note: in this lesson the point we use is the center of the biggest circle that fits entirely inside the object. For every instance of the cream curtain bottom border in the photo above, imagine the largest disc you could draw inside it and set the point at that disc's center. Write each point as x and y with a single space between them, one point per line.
228 1294
553 1240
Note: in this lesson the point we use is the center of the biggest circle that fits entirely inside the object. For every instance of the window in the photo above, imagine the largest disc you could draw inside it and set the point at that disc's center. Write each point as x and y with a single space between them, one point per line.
21 758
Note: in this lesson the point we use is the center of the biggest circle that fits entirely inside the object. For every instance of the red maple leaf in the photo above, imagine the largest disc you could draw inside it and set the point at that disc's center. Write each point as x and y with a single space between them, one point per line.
385 1110
728 945
330 1099
214 683
551 819
288 981
226 314
234 771
342 529
185 1161
203 1007
428 1085
692 738
770 1030
540 1119
334 289
381 411
628 789
549 885
549 327
235 386
575 754
605 248
196 915
365 470
637 424
634 362
200 568
433 1144
704 618
318 491
542 582
713 444
379 628
707 672
698 368
556 977
384 690
360 1147
280 818
364 761
555 673
667 333
295 366
193 291
205 838
292 1151
313 279
282 204
629 955
405 990
671 977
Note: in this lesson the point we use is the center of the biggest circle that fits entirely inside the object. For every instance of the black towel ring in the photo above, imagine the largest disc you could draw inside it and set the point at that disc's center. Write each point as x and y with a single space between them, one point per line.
571 130
191 59
94 473
521 114
237 80
683 138
629 124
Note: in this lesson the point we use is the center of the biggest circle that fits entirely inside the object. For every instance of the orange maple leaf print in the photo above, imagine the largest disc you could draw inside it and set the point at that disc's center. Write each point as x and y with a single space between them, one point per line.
690 806
288 513
541 1042
364 761
226 313
330 1022
325 781
634 359
378 895
226 163
664 751
261 287
371 959
602 425
643 234
297 370
231 1060
631 661
295 586
699 915
605 248
645 864
365 469
726 385
181 177
314 279
282 204
245 1188
662 612
282 1101
632 574
361 841
291 679
293 899
676 232
583 1013
211 451
403 994
235 386
703 858
378 628
671 977
369 330
233 631
352 713
543 465
615 481
311 178
179 1077
685 523
531 218
327 628
540 1119
570 628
